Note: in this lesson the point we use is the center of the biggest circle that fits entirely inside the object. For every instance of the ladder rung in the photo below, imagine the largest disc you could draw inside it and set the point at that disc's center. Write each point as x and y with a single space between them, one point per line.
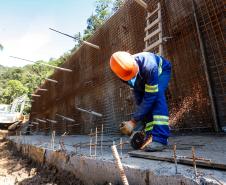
152 34
152 24
155 44
152 13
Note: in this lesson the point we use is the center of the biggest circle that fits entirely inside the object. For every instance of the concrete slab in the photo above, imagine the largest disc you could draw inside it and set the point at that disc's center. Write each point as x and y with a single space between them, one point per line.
210 151
101 169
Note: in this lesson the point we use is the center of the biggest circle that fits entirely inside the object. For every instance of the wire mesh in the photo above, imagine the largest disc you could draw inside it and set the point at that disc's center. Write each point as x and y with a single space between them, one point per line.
92 85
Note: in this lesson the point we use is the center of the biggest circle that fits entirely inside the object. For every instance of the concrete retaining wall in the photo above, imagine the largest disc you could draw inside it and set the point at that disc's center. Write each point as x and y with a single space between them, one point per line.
97 171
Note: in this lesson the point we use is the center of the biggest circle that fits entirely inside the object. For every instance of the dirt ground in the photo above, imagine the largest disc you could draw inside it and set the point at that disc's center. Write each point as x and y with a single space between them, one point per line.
16 170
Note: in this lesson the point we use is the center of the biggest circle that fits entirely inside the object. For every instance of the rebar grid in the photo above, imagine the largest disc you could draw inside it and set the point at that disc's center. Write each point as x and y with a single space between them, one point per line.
93 86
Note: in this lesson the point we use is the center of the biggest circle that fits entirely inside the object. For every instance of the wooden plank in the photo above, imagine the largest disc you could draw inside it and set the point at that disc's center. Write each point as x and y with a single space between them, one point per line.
157 156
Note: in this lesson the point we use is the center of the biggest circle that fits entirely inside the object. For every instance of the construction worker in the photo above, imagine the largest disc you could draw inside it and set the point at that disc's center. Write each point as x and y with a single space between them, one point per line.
148 74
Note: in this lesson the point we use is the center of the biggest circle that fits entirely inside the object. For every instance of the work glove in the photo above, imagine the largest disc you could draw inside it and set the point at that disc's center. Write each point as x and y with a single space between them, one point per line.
126 127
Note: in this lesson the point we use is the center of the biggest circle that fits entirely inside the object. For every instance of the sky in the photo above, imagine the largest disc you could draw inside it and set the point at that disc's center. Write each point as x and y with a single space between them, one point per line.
24 28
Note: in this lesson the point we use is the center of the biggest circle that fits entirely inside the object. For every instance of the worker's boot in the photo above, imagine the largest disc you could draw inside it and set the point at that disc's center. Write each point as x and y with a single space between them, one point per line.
154 147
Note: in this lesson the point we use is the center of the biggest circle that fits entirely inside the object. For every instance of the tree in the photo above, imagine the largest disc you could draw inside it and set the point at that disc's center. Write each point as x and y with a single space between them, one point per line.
102 13
103 10
117 4
13 90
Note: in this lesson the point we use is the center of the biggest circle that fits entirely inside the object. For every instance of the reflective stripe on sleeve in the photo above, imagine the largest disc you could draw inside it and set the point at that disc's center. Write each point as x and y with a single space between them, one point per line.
151 88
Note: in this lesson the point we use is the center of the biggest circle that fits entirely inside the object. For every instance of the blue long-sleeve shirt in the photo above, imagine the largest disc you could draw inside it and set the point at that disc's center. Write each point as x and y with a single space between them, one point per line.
147 81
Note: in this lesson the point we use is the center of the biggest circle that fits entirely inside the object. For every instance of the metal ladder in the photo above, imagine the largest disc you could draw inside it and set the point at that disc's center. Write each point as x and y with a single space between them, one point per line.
153 39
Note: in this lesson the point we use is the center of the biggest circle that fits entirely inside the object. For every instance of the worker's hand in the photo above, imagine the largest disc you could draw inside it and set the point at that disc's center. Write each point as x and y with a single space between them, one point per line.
126 127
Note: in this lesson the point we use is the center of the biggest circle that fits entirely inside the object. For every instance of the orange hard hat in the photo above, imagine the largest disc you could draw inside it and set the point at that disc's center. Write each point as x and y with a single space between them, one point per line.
124 65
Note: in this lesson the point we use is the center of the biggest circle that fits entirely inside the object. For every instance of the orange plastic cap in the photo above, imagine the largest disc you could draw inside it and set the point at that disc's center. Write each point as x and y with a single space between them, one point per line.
124 65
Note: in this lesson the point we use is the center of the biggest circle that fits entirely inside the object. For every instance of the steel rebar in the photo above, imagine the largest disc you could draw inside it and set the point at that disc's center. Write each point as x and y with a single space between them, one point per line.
89 112
85 42
194 162
55 67
91 142
119 165
175 157
101 142
95 154
66 118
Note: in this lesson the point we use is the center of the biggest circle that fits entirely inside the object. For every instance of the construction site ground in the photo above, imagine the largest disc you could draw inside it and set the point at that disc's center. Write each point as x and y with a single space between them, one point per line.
16 169
100 169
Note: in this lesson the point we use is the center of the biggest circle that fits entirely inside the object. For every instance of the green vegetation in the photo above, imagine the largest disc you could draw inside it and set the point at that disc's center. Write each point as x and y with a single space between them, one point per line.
15 81
12 90
103 11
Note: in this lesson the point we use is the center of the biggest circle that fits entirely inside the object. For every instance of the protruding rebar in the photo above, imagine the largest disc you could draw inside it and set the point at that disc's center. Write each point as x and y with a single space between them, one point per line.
61 142
66 118
175 157
85 42
35 123
51 80
53 140
91 45
194 161
41 120
41 89
121 144
95 154
89 112
35 95
48 79
101 141
91 142
42 63
119 165
52 121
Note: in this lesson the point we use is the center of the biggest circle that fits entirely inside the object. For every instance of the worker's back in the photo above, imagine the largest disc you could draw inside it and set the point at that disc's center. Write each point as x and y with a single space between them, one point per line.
147 61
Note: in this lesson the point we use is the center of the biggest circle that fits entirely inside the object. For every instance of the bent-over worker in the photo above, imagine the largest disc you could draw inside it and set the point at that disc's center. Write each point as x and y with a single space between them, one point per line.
148 74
